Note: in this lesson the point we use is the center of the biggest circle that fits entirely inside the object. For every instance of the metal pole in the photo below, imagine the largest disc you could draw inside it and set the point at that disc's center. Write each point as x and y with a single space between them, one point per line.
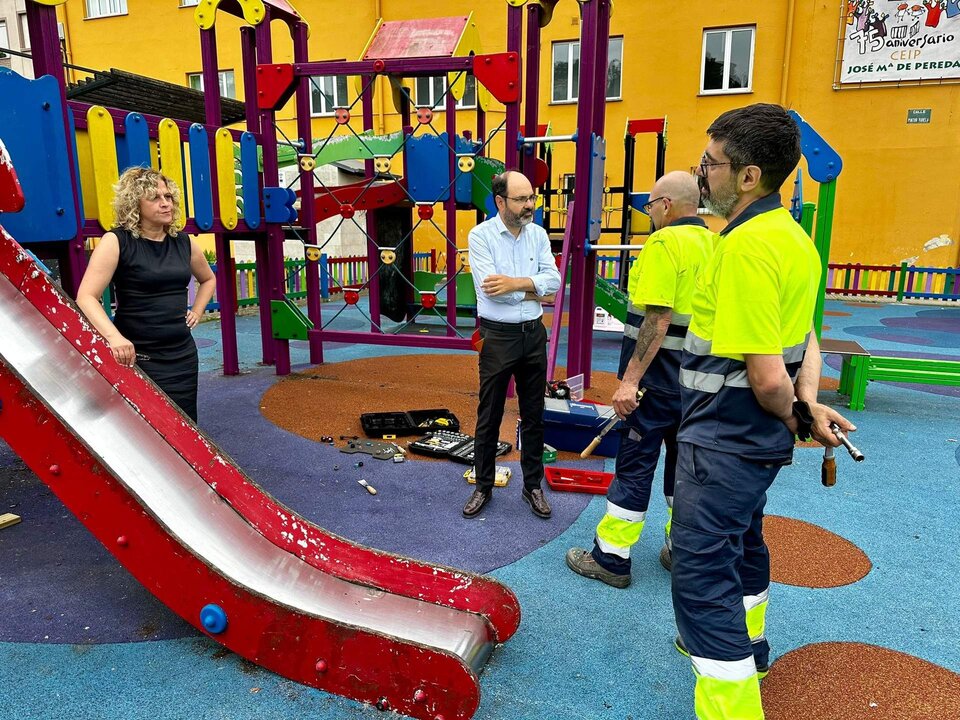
273 248
226 281
600 47
514 40
301 53
450 210
48 60
629 157
822 239
373 251
532 99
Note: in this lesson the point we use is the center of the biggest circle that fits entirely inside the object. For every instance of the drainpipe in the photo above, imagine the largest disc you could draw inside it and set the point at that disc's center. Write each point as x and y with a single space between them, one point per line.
787 46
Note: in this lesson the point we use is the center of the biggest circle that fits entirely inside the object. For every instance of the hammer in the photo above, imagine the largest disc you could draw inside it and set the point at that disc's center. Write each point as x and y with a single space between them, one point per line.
588 450
828 470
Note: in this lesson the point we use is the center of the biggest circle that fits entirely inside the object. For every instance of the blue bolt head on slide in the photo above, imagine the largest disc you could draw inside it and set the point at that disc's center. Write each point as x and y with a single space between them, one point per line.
213 619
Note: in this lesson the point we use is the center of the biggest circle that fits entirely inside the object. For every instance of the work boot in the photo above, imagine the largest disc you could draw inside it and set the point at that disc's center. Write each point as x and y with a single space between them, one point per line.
476 503
762 670
582 563
537 502
666 558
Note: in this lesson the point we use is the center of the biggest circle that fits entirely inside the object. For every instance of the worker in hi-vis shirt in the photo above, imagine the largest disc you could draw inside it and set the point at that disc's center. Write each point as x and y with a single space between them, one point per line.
749 376
660 289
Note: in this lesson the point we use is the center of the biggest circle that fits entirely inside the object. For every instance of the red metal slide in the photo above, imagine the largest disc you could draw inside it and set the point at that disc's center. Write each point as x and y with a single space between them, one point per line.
184 520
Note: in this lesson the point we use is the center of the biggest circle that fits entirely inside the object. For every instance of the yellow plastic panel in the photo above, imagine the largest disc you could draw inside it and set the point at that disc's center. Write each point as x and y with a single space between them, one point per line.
226 181
103 152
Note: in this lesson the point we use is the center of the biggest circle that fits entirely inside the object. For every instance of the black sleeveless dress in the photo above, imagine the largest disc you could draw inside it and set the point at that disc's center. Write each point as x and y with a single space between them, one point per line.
151 288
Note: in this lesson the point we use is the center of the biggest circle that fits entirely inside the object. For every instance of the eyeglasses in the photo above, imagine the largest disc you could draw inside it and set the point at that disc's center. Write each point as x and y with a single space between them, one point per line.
648 206
704 165
523 199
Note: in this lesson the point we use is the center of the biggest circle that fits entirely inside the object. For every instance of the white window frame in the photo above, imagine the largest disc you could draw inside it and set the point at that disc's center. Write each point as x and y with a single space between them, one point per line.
341 86
189 3
222 75
436 101
4 36
24 29
105 8
727 49
573 88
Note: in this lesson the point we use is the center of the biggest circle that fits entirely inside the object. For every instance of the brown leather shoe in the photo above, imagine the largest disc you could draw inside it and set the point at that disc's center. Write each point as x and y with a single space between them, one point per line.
476 503
537 502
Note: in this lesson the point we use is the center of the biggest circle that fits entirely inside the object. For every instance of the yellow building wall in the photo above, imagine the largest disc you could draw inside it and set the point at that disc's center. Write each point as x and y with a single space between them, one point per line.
899 186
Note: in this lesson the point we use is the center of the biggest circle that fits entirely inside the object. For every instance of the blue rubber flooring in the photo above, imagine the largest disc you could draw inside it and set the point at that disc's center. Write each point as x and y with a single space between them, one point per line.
79 638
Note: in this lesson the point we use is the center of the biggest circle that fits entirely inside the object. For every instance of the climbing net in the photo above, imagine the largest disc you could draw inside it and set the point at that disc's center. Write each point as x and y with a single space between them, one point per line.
348 200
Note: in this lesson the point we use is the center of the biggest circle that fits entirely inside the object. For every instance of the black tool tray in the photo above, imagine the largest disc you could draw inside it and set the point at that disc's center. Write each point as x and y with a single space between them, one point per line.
409 422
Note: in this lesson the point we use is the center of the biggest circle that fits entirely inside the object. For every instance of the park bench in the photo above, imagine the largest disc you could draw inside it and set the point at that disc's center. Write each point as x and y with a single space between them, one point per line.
905 370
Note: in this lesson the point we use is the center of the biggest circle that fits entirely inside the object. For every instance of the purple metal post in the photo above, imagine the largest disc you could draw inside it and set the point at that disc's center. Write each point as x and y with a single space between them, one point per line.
248 54
248 46
601 44
307 215
512 126
273 247
582 267
226 281
48 60
450 209
532 99
373 252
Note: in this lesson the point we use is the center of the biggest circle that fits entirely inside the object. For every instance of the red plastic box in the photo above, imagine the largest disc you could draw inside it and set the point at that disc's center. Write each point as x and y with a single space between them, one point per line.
573 480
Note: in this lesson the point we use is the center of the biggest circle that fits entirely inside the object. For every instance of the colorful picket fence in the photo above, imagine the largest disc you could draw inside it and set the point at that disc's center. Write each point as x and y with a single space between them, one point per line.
335 274
901 282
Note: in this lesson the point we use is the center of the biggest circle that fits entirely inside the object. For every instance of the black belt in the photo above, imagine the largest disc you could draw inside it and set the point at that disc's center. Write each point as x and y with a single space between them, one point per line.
526 326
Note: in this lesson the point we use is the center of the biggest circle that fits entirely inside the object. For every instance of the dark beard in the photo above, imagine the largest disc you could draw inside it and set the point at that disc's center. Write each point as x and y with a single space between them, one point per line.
721 202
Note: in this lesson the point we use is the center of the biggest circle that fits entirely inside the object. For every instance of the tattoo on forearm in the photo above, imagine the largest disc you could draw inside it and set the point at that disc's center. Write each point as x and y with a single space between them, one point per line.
648 330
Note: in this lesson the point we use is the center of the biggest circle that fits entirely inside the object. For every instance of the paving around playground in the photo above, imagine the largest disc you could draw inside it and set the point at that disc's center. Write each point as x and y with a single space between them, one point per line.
863 607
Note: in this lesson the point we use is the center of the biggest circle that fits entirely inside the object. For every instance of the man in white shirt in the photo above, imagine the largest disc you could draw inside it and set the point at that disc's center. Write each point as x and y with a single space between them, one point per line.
513 272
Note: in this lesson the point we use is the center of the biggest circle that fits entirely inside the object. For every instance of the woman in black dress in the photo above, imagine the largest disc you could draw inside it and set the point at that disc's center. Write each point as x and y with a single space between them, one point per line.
150 263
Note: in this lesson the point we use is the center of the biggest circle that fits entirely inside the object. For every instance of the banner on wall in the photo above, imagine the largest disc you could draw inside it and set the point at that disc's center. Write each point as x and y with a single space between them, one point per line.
893 41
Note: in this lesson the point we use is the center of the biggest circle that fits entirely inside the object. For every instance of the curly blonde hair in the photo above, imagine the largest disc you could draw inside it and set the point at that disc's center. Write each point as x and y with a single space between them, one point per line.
138 183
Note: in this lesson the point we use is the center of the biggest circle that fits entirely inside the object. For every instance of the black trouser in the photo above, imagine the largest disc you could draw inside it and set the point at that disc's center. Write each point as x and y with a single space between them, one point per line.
518 350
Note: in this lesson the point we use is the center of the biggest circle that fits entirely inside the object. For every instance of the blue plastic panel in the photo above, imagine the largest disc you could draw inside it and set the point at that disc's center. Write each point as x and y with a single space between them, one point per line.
133 147
823 162
278 205
251 180
428 173
598 156
796 202
463 187
200 176
33 129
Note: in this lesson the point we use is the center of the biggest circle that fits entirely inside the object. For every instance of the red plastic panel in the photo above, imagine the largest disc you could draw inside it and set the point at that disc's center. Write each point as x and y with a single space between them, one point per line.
275 85
425 37
575 480
11 194
329 202
500 74
652 125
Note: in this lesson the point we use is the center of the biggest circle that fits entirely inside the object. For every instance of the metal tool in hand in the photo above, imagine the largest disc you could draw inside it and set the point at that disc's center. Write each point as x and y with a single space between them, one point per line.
587 451
851 448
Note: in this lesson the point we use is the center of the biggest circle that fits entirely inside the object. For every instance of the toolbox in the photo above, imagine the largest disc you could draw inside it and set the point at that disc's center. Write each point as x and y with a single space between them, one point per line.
408 422
570 425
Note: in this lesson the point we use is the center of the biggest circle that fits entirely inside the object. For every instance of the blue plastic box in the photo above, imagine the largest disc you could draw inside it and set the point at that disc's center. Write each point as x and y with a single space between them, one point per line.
570 425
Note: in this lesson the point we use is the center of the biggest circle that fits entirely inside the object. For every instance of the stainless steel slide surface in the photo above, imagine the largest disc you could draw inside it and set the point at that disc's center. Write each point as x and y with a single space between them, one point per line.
192 511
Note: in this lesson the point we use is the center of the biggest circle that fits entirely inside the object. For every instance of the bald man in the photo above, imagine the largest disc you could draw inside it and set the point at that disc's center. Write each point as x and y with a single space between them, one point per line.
662 280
